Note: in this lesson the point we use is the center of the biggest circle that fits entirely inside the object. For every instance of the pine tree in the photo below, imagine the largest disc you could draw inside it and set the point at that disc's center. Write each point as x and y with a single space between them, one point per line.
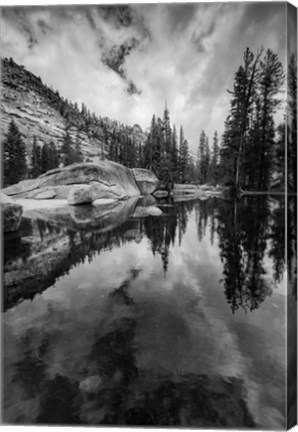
180 151
45 158
249 139
167 131
112 154
35 170
53 156
67 150
77 154
167 169
191 175
234 139
131 153
292 124
207 160
174 152
14 156
214 175
203 158
183 157
271 80
140 156
152 151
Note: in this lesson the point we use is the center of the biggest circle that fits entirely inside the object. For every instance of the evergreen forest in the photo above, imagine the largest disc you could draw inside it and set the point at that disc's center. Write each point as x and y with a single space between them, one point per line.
251 154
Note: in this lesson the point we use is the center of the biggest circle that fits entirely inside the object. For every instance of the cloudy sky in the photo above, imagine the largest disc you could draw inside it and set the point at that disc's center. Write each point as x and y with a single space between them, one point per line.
124 62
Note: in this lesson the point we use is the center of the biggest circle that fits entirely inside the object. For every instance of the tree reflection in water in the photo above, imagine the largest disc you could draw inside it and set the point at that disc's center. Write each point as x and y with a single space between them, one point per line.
292 242
245 229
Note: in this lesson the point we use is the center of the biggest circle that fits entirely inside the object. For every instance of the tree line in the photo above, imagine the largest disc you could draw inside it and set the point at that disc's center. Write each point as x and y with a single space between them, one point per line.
43 158
207 165
122 148
252 147
161 153
167 154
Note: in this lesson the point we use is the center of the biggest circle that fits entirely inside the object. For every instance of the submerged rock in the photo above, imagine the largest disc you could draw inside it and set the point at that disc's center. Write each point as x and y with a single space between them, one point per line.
141 211
108 180
11 213
80 194
153 211
161 194
146 180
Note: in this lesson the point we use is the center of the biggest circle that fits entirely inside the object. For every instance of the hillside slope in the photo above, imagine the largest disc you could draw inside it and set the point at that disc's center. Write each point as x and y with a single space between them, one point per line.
40 111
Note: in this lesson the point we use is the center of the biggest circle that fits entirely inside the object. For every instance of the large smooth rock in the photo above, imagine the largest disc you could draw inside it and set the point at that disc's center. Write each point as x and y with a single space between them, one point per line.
146 180
11 214
46 194
81 194
108 180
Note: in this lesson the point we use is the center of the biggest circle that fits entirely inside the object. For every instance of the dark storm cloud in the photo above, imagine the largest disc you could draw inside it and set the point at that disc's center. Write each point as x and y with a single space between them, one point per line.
115 57
258 12
180 15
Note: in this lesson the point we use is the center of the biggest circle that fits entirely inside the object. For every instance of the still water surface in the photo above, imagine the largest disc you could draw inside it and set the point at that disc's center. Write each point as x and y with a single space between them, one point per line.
171 320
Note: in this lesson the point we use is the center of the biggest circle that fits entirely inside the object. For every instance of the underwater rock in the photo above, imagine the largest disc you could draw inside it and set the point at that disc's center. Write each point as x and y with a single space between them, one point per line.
11 213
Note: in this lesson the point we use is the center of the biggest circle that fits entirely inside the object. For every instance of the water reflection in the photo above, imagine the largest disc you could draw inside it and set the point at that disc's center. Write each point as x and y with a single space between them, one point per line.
49 244
292 309
49 247
132 326
162 233
292 242
244 229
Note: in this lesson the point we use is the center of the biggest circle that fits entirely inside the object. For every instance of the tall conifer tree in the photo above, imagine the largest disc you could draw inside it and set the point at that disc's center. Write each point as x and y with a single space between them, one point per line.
35 170
14 156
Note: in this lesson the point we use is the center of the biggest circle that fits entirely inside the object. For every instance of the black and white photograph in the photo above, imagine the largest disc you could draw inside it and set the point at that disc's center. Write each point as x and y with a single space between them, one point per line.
149 215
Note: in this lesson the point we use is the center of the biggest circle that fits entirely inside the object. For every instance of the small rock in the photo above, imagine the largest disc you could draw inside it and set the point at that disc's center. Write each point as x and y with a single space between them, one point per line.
153 211
80 194
141 211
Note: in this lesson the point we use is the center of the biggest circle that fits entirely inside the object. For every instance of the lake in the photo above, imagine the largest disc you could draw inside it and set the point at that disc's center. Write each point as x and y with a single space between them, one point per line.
113 316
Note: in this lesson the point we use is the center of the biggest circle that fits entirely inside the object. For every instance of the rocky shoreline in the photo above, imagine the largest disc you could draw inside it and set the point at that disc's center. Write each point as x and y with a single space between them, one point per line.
90 183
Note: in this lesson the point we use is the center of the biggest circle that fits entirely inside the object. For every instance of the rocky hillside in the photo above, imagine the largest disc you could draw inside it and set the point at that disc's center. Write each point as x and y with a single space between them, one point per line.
40 111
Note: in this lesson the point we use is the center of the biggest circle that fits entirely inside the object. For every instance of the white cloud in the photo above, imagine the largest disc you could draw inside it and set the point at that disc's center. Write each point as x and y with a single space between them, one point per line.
187 54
